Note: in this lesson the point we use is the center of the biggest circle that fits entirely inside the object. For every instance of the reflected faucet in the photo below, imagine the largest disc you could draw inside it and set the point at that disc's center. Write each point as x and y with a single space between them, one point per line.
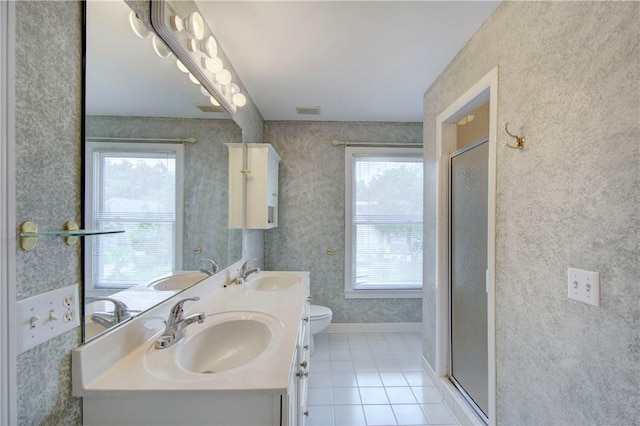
243 273
212 269
109 319
177 323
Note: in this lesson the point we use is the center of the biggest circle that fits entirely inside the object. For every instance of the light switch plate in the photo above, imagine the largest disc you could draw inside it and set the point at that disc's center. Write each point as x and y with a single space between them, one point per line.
584 286
47 315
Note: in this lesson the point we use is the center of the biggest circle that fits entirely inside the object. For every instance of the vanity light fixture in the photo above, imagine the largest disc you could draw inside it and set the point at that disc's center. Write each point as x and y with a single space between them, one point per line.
191 40
138 27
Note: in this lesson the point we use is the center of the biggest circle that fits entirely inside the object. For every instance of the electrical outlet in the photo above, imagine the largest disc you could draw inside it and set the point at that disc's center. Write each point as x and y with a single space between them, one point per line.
46 315
68 301
584 286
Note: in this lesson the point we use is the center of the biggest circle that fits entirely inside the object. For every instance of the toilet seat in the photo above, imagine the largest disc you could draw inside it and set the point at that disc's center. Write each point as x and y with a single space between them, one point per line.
319 312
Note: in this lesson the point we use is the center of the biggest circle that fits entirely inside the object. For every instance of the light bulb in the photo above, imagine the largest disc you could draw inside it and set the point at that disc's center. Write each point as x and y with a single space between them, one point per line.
213 101
232 89
223 77
137 25
176 23
209 47
195 25
214 65
192 45
181 66
161 49
205 92
239 99
193 79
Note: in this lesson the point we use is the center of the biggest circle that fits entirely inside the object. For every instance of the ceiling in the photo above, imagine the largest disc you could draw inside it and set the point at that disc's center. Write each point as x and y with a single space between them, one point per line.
356 60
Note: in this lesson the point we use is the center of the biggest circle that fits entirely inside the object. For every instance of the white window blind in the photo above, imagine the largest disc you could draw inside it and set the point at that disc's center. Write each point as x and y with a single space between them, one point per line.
385 231
136 191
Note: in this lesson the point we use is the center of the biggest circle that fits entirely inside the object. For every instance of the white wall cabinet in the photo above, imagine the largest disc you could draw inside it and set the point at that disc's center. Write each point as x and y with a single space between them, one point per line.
253 186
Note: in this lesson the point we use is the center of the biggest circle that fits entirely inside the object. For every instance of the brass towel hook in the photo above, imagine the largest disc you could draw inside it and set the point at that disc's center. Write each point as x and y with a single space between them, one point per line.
519 139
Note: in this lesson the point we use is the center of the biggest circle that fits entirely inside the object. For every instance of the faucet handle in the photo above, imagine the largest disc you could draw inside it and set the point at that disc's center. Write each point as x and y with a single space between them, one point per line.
214 266
120 309
177 309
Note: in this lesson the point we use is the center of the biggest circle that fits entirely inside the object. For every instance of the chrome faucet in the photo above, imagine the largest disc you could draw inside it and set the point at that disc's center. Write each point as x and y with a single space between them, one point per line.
212 269
109 319
177 323
243 273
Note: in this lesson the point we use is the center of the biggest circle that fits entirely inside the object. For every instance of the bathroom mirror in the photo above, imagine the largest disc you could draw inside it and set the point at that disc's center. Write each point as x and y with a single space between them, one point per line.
156 165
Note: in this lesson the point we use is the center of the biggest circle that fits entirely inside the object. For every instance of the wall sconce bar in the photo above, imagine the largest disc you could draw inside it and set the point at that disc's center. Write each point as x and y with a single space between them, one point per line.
181 26
29 234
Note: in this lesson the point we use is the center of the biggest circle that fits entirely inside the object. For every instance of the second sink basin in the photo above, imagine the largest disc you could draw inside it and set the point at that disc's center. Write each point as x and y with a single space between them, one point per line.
272 281
223 343
178 281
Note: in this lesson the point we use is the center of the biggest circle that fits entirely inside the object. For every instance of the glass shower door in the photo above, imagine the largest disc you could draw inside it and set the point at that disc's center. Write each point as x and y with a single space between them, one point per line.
468 243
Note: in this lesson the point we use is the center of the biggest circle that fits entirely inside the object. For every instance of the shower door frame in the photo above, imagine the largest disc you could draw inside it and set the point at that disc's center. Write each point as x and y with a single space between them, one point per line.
485 90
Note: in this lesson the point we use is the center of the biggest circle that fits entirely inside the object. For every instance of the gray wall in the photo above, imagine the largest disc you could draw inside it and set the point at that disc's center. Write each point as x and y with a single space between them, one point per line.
206 177
48 120
569 82
311 212
48 189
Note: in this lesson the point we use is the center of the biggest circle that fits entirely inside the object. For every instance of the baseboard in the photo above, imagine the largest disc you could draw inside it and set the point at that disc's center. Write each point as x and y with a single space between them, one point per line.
378 327
451 397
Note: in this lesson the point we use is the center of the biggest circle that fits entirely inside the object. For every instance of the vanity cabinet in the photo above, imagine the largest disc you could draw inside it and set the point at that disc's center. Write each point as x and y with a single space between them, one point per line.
253 186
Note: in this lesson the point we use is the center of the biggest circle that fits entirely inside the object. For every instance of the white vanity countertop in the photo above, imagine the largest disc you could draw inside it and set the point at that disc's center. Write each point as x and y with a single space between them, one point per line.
114 364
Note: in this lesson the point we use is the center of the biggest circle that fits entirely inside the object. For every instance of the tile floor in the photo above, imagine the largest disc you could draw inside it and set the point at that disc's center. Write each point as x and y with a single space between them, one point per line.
372 379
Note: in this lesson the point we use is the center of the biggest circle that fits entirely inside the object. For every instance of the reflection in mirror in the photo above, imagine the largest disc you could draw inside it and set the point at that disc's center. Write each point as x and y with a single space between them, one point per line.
156 165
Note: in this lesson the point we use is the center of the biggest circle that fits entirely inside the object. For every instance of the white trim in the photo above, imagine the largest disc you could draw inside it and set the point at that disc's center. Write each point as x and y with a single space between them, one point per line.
462 412
383 294
381 327
349 291
90 148
8 380
484 90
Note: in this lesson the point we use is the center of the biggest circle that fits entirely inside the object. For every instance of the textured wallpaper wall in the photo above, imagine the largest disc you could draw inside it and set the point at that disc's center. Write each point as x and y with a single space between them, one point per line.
311 216
568 81
48 101
206 177
48 189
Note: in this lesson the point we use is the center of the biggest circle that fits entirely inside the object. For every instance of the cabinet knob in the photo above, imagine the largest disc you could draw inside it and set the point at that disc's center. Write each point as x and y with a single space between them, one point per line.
245 171
303 364
306 347
309 298
301 373
305 319
306 413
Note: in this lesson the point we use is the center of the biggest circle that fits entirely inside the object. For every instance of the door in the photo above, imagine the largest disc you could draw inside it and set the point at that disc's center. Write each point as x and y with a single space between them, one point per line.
468 263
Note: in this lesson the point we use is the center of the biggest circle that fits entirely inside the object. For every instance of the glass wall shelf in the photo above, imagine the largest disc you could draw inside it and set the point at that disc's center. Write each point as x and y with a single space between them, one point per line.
29 234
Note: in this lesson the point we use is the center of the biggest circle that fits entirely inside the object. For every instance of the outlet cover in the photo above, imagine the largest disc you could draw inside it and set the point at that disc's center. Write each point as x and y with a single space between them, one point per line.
584 286
47 315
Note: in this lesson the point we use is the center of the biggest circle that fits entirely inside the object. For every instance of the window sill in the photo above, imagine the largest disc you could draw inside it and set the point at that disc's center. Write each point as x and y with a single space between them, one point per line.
383 294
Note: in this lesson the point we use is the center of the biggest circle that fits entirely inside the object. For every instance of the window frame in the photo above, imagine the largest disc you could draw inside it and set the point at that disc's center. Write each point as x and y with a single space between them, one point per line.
350 154
91 147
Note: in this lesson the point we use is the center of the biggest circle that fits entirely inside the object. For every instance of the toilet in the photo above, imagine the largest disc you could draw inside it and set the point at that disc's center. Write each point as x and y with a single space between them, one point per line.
320 318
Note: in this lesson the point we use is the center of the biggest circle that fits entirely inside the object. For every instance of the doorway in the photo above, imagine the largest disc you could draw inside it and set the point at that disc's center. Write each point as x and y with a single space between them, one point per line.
465 368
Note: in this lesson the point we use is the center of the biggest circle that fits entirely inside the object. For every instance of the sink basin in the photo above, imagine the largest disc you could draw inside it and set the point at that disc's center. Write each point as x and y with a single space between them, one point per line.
223 344
272 281
178 281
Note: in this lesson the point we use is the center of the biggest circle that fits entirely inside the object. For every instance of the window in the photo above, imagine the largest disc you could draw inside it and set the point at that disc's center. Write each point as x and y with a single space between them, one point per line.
138 188
383 229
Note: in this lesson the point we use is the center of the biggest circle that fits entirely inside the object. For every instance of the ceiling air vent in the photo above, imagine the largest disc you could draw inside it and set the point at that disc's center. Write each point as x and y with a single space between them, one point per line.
210 108
310 110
